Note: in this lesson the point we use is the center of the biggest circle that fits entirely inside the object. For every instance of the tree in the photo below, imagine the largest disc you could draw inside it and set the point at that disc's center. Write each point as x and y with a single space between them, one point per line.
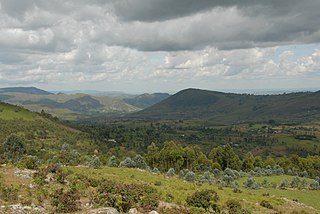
248 162
152 155
14 147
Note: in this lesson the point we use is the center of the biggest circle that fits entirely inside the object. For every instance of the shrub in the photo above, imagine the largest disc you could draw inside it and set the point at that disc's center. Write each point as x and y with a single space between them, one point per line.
190 176
29 162
65 200
124 196
266 204
203 199
283 184
314 185
113 162
156 170
127 163
13 147
139 162
171 172
94 162
233 206
250 183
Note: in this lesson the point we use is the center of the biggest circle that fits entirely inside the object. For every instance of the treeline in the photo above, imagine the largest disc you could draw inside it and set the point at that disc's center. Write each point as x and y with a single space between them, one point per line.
173 155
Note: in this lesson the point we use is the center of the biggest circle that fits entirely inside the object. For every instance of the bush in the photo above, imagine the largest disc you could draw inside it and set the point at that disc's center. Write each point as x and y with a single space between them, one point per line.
190 176
156 170
29 162
283 184
203 199
127 163
13 147
250 183
125 196
113 162
139 162
233 206
266 204
65 201
94 162
171 172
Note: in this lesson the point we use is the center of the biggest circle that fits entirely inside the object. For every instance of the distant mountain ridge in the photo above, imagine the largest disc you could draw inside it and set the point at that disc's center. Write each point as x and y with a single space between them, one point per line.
25 90
230 107
146 100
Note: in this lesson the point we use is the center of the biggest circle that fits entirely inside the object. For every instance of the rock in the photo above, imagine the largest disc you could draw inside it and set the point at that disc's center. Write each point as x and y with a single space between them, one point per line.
105 210
153 212
133 211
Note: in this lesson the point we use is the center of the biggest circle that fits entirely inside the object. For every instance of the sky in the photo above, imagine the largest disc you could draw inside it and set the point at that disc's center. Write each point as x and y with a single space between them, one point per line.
160 45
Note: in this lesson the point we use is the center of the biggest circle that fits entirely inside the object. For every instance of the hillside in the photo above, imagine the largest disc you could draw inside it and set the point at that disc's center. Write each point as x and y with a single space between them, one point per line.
67 106
146 100
42 134
25 90
230 107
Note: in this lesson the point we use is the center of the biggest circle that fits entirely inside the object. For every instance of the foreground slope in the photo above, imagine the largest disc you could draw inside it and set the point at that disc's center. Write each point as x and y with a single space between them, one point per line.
230 107
42 134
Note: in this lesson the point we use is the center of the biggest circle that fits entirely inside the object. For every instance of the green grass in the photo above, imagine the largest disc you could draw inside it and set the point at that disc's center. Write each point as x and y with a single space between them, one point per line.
181 189
9 112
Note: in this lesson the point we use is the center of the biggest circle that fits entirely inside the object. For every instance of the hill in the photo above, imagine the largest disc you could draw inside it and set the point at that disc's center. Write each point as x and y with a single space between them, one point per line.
230 107
26 90
146 100
43 134
69 106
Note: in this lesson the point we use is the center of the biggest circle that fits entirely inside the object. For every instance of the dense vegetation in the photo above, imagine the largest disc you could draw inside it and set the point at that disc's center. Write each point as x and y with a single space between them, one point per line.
196 165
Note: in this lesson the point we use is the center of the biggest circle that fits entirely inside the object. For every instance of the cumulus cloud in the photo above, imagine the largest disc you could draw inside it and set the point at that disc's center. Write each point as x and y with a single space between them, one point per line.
138 40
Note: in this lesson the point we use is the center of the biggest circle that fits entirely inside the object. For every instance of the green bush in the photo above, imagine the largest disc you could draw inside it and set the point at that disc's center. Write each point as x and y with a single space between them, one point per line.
124 196
94 162
203 199
13 148
233 206
266 204
65 200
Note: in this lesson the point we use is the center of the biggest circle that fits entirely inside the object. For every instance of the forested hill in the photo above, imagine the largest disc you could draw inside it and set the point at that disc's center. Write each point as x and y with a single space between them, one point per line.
230 107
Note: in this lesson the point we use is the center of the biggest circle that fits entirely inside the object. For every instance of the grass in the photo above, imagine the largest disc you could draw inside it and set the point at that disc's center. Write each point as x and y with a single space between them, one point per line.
180 189
9 112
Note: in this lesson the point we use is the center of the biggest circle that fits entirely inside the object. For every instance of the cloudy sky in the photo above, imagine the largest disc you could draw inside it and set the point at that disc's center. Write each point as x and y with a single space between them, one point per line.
160 45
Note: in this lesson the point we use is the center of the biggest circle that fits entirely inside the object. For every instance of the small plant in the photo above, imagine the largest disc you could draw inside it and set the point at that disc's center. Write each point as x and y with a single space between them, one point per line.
266 204
171 172
8 193
65 200
233 206
204 199
94 162
190 176
250 183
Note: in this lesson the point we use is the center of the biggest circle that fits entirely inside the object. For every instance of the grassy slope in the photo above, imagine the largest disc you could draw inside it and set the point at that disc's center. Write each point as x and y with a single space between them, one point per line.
9 112
181 189
40 134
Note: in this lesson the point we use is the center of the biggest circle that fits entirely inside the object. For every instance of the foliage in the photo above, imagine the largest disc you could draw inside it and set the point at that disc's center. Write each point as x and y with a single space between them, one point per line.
65 200
29 162
250 183
125 196
127 163
113 161
8 193
94 162
171 172
266 204
233 206
14 147
203 199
